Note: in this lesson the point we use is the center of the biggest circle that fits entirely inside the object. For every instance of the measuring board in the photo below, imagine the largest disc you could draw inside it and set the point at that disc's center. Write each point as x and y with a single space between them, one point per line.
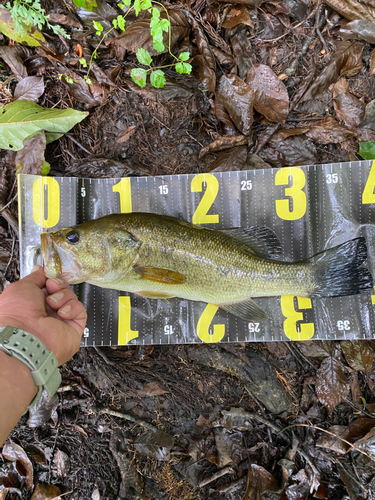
311 208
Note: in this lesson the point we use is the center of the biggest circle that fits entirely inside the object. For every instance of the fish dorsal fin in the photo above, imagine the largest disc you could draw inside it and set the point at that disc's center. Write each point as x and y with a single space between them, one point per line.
260 239
159 275
247 310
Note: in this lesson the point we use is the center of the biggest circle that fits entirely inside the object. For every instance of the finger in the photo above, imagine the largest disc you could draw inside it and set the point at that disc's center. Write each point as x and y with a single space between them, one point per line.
58 299
37 277
74 310
55 284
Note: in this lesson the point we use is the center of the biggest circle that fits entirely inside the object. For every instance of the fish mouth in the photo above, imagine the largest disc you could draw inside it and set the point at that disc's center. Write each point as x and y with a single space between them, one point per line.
52 261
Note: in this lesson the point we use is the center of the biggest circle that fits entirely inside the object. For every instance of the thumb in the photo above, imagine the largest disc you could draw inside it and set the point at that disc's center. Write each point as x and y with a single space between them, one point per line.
37 277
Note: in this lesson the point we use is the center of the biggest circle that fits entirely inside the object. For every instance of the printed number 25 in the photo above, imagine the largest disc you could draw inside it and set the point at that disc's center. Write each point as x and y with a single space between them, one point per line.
295 192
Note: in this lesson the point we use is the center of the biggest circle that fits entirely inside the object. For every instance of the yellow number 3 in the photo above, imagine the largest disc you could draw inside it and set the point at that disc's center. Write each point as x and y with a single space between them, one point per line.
307 330
294 191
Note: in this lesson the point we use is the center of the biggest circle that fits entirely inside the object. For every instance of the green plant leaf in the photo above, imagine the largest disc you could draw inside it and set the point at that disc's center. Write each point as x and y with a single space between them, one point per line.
144 57
85 4
114 23
146 4
155 13
121 22
20 120
183 67
139 76
28 34
157 79
97 26
164 23
184 56
83 62
137 7
158 46
367 150
121 5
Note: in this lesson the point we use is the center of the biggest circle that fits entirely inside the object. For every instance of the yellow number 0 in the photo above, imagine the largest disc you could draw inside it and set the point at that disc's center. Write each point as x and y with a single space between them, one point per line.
50 187
212 188
368 195
307 330
294 191
123 188
125 333
204 324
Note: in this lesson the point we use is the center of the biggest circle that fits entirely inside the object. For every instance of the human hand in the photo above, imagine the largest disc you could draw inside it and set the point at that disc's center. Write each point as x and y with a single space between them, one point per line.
46 308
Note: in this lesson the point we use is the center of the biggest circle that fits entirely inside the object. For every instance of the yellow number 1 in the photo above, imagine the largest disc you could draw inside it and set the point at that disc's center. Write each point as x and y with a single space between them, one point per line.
123 188
125 333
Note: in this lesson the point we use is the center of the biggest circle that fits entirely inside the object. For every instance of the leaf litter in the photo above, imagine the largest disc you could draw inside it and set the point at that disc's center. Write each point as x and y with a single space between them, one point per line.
273 84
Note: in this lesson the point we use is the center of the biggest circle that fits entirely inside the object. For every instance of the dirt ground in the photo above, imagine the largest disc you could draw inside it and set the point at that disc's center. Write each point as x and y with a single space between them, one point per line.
274 83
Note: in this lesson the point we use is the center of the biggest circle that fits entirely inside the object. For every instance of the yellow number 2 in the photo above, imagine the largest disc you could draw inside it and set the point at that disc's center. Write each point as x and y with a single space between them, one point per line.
123 188
368 195
125 333
212 188
46 195
295 191
203 326
306 330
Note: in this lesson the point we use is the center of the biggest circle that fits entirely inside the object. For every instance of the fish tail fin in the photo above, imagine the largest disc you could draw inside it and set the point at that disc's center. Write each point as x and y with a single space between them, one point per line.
339 270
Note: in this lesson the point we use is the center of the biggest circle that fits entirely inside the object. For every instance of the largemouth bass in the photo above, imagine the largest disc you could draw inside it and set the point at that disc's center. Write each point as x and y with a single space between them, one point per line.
162 257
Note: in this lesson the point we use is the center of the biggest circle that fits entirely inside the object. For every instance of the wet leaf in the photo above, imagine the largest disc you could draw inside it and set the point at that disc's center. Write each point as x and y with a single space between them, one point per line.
9 53
103 14
369 118
271 98
91 95
151 389
15 453
201 41
351 9
139 76
346 61
29 89
348 108
45 491
288 151
237 15
155 445
44 410
225 142
157 78
30 159
202 70
21 119
259 481
235 418
222 58
144 57
327 131
358 354
229 159
243 52
367 150
237 98
331 385
31 36
359 29
138 34
317 348
62 462
54 17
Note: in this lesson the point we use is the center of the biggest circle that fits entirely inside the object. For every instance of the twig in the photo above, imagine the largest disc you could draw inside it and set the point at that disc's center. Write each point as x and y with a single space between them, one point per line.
11 257
220 473
333 435
317 29
9 202
104 356
126 416
79 144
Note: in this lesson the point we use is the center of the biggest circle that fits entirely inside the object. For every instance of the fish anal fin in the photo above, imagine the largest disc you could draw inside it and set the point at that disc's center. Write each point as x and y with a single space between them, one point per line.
155 295
159 275
247 310
260 239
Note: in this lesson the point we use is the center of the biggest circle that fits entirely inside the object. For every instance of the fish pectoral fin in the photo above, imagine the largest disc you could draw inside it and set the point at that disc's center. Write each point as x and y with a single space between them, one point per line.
155 295
260 239
247 310
160 275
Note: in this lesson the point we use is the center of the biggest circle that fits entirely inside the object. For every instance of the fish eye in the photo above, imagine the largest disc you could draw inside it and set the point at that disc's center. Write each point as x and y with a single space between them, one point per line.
72 237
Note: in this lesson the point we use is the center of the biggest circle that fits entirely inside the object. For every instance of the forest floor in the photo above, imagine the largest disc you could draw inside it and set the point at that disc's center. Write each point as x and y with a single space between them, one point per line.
273 83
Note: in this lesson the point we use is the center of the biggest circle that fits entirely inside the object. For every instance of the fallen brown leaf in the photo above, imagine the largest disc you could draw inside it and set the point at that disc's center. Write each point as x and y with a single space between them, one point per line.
358 354
238 15
237 98
202 70
30 159
327 131
53 17
10 54
151 389
348 108
331 384
372 62
271 98
126 134
29 89
14 452
45 491
352 9
225 142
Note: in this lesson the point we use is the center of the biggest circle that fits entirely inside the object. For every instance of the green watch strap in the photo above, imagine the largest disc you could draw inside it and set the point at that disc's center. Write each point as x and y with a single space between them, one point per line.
34 354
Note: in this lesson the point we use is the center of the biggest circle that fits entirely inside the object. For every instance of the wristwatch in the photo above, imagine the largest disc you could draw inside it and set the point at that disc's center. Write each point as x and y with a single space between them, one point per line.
34 354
